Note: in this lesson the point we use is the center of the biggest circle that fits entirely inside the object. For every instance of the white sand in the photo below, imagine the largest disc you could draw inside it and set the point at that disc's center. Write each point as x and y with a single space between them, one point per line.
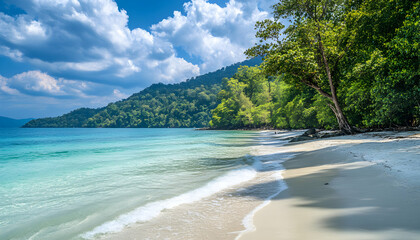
351 187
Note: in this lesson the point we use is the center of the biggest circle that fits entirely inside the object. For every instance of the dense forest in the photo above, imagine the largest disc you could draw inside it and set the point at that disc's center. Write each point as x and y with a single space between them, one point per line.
346 64
185 104
339 64
251 100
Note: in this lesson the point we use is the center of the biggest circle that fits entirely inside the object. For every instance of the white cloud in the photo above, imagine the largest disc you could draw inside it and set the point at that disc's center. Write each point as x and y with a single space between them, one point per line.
118 94
16 55
217 35
77 38
173 68
94 66
5 88
21 30
36 83
90 40
37 94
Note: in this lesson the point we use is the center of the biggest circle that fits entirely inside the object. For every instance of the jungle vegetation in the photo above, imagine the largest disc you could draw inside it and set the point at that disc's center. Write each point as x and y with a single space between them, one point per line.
339 64
185 104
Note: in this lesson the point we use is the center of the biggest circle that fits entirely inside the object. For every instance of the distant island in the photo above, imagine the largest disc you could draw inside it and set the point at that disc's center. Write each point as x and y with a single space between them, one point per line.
6 122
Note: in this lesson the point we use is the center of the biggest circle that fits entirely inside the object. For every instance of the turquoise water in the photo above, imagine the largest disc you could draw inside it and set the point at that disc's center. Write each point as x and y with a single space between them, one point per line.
64 183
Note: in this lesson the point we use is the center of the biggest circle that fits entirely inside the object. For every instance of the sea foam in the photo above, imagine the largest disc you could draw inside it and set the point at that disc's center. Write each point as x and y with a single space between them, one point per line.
268 164
248 222
153 209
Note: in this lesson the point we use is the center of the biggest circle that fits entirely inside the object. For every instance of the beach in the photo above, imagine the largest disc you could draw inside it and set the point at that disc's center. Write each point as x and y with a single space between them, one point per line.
227 213
364 186
349 187
209 185
209 120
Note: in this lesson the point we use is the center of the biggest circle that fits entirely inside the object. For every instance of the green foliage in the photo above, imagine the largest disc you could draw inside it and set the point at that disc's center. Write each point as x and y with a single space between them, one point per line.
294 107
160 106
382 86
361 56
73 119
324 114
186 104
269 103
245 101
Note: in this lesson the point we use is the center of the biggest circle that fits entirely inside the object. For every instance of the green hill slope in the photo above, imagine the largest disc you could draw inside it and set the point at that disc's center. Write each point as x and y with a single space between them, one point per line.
185 104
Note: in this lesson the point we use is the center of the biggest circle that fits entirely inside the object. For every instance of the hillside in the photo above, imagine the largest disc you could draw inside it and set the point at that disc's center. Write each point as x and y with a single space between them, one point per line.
185 104
6 122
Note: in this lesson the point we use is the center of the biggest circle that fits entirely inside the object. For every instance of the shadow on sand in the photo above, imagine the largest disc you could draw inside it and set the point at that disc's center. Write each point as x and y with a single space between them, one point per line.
370 202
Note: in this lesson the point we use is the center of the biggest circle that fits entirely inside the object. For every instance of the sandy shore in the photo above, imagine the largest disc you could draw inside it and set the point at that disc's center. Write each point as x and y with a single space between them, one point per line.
359 187
224 214
352 187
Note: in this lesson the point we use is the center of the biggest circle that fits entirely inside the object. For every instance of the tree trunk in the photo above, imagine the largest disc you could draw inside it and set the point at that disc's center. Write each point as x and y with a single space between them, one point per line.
343 124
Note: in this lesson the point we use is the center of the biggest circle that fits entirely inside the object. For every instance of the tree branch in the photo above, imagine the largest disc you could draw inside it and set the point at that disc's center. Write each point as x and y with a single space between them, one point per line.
327 68
312 85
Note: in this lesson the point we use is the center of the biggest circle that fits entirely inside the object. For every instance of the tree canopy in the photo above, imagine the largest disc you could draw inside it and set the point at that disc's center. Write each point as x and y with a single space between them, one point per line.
269 103
360 55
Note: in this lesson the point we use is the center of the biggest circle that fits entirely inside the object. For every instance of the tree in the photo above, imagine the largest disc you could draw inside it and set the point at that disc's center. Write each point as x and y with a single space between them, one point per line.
310 50
245 101
234 109
383 84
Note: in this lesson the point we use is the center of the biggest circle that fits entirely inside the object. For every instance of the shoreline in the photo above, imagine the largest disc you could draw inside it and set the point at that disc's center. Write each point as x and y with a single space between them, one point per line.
362 186
224 214
335 188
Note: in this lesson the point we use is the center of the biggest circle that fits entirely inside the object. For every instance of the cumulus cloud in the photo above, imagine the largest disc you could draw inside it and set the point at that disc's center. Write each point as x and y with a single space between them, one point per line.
75 38
37 94
216 35
36 83
5 88
89 40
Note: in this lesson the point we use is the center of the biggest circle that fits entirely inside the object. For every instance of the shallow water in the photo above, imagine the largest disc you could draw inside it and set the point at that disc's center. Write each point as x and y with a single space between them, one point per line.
74 183
226 214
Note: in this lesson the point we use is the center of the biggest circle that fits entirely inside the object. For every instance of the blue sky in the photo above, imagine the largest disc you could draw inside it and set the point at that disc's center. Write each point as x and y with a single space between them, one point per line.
56 56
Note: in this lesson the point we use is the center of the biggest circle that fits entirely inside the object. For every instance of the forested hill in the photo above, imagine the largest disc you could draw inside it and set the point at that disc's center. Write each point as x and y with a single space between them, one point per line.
185 104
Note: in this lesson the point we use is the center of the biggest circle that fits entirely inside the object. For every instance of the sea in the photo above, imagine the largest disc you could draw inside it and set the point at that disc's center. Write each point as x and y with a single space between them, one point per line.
135 183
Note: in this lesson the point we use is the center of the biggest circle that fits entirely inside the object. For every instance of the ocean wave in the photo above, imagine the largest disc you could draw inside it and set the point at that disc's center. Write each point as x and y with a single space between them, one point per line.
248 222
265 162
153 209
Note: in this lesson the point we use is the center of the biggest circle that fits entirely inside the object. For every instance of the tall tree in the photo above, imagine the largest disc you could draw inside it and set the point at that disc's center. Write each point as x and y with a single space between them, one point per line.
310 50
